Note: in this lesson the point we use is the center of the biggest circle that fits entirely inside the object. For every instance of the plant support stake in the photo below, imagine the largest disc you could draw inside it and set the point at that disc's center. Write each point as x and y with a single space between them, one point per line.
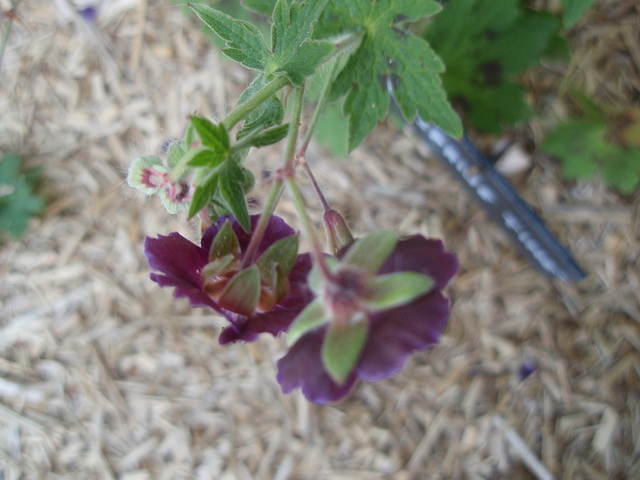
503 205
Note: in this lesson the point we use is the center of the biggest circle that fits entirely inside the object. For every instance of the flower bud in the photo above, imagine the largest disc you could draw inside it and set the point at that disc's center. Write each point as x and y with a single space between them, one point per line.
338 234
147 174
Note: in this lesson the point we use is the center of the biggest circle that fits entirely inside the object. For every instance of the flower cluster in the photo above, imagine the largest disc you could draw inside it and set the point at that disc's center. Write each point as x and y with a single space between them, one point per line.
264 296
361 310
381 300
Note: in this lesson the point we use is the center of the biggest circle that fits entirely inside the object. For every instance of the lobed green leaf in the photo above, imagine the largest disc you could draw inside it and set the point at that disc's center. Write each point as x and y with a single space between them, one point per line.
245 43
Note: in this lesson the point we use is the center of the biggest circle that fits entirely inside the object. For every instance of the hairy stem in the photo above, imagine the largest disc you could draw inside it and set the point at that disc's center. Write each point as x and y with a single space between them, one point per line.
249 105
319 107
323 201
294 126
307 227
258 232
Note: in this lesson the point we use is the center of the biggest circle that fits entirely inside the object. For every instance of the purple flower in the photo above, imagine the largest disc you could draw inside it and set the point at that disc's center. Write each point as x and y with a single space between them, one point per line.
213 275
390 334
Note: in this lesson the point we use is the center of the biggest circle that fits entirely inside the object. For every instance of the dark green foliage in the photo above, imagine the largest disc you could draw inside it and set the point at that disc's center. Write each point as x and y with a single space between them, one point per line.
582 147
18 201
485 44
573 10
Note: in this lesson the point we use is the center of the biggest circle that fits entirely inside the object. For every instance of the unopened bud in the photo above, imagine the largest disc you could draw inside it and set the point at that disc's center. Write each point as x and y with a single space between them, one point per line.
338 234
147 174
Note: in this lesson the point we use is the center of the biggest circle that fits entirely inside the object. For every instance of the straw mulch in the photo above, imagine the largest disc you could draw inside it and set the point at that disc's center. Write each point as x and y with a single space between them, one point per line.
103 375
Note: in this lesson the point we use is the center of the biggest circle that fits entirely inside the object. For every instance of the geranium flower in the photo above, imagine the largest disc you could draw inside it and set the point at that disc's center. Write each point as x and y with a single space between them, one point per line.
264 296
383 302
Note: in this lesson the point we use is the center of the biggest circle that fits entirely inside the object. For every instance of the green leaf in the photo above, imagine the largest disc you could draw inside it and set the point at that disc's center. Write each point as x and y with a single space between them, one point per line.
371 251
307 58
270 113
245 43
342 347
225 243
313 316
388 53
231 191
205 157
622 170
396 289
578 144
573 10
269 136
283 253
261 6
203 194
18 202
211 135
485 44
294 52
242 293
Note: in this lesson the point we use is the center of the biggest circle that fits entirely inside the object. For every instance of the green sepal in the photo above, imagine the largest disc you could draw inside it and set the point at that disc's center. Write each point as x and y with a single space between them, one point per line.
171 206
280 282
203 194
230 187
175 152
242 293
284 253
225 243
342 347
370 252
220 266
316 279
189 136
249 180
136 171
313 316
211 135
396 289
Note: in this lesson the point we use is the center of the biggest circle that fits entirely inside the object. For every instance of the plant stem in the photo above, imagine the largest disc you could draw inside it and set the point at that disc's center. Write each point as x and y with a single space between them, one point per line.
307 227
319 108
294 126
323 201
249 105
11 14
180 167
258 232
277 186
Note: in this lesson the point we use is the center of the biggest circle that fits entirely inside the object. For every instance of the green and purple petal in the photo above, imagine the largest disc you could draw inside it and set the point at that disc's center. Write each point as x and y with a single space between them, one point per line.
393 334
302 367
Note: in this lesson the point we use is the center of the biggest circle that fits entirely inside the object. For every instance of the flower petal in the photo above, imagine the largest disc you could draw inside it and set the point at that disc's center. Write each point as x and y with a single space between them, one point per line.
180 263
426 256
395 333
302 367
